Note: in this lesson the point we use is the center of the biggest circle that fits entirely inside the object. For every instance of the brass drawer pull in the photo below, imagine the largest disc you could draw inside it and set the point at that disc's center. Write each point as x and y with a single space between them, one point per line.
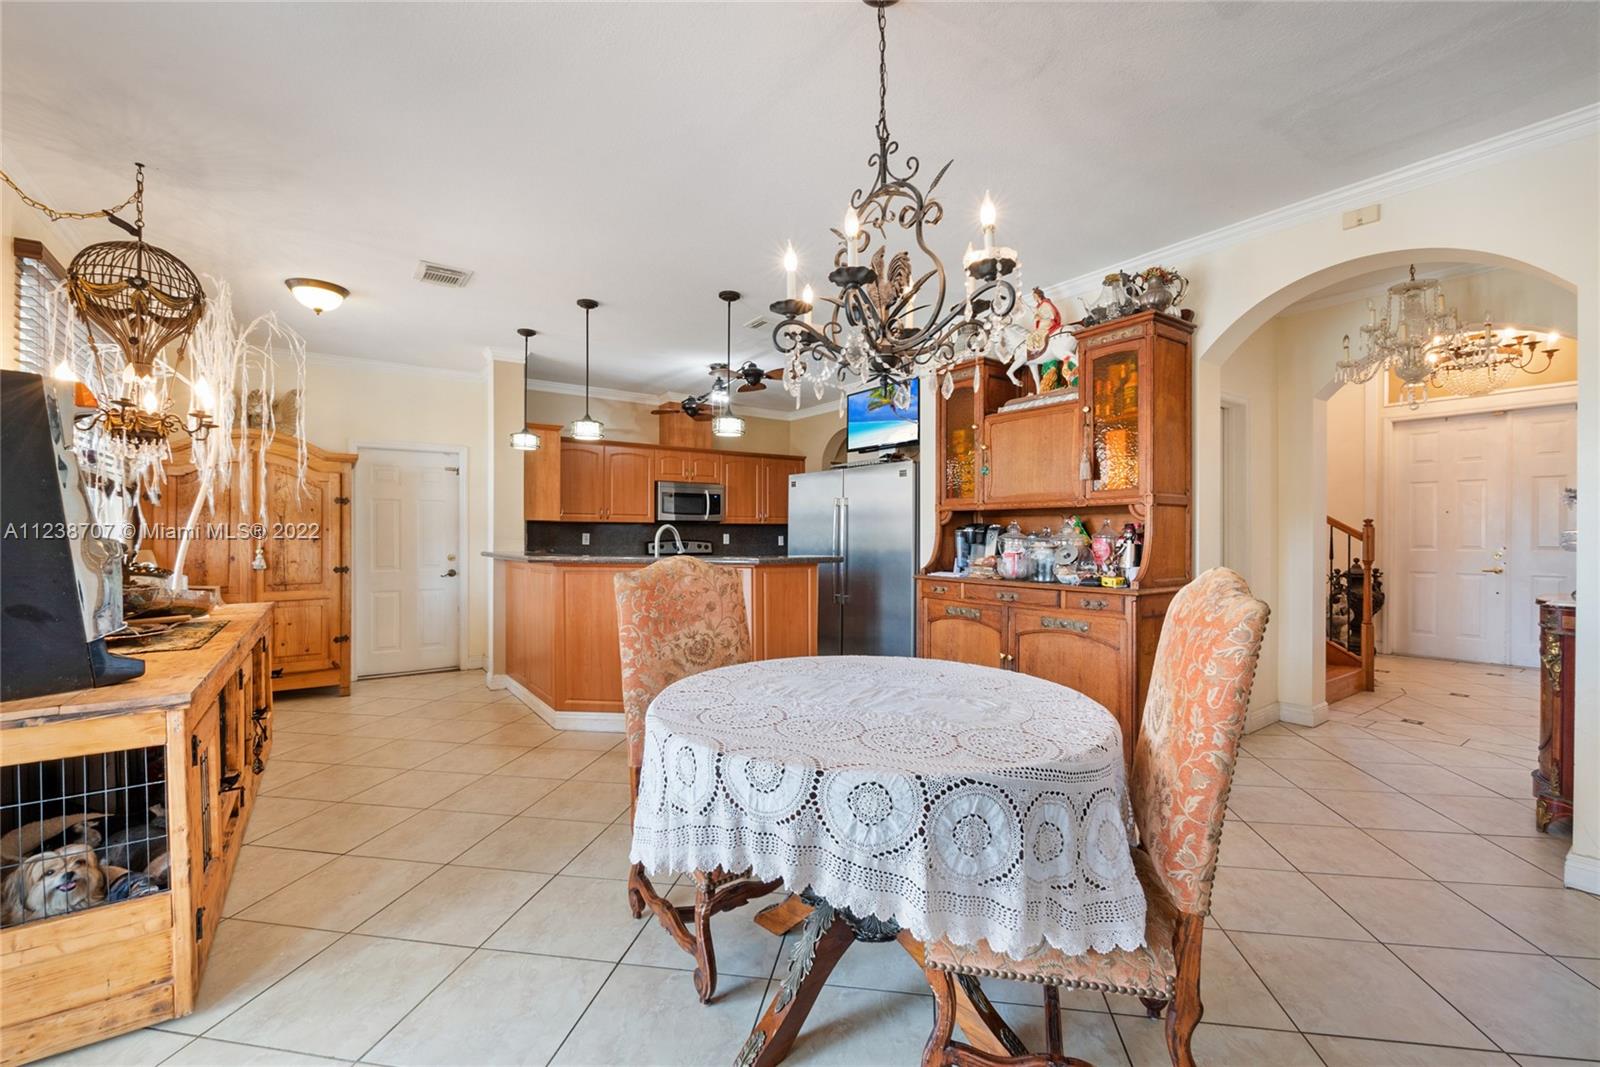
1008 597
939 588
963 613
1063 624
1093 605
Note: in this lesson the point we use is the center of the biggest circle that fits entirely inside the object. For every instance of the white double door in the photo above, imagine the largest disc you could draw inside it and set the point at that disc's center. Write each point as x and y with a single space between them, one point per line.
1479 506
409 573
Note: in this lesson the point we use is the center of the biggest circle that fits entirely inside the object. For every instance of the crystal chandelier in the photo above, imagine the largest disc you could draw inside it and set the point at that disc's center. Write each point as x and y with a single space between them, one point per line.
1407 339
1477 362
890 319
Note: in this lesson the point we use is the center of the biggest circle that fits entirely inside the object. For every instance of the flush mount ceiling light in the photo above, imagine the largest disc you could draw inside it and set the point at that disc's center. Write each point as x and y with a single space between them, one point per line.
726 423
587 428
317 294
525 440
873 336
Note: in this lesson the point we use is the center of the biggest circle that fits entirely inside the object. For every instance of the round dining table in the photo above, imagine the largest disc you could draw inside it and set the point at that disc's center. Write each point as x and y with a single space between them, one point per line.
902 799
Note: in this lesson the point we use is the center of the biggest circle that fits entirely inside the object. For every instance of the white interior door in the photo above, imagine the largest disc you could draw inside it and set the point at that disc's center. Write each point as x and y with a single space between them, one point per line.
408 567
1453 477
1544 455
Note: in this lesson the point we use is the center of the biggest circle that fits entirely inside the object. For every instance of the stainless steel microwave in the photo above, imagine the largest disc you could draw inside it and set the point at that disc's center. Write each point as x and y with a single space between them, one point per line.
688 502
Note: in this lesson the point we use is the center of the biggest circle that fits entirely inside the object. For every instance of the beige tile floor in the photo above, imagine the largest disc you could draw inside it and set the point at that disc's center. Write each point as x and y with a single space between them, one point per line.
433 876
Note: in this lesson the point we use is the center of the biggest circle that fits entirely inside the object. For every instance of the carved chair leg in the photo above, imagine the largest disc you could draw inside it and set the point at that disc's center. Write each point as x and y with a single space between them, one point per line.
937 1052
1153 1006
1052 1020
1184 1013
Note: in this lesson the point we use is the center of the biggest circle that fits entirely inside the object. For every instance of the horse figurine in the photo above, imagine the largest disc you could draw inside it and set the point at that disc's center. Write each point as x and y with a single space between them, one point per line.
1048 342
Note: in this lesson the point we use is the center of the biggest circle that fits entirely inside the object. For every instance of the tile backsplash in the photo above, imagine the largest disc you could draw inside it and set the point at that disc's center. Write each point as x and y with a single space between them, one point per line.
629 539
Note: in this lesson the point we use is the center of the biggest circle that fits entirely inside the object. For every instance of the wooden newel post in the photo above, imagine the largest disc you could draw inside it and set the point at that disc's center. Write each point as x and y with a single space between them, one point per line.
1369 652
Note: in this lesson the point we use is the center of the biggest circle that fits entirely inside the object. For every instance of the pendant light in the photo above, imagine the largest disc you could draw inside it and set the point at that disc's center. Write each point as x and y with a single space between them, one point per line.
587 428
525 440
726 423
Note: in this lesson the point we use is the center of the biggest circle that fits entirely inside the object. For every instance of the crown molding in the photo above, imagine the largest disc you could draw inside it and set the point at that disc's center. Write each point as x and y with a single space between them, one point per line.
1580 122
388 366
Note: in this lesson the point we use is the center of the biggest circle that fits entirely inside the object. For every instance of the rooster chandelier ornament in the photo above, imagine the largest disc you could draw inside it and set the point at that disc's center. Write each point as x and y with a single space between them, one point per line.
872 337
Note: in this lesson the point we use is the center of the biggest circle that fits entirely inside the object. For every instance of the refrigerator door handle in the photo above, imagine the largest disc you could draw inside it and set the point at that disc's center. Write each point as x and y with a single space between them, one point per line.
843 507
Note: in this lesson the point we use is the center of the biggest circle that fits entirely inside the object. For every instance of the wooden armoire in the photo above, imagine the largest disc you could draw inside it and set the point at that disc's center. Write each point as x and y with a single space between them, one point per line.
297 558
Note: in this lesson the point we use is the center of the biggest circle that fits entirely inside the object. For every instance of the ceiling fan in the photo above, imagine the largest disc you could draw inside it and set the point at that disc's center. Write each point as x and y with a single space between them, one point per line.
754 378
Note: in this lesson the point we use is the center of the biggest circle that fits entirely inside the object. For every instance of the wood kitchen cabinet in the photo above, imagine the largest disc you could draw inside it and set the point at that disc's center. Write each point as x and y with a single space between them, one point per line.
606 483
616 482
964 633
1035 456
541 475
630 485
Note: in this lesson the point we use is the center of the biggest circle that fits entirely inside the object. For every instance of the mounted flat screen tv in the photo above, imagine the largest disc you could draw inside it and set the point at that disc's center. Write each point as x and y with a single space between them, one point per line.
876 422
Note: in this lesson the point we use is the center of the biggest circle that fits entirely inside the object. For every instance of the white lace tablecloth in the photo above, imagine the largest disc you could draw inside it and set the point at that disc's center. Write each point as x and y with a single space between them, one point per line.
961 802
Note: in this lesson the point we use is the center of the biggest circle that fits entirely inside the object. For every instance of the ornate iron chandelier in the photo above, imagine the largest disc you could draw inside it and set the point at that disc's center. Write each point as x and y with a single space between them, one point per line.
1407 339
872 336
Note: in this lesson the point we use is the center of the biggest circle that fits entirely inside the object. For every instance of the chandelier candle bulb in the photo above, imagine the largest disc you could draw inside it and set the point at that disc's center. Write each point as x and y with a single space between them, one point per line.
852 234
791 263
809 298
202 398
986 218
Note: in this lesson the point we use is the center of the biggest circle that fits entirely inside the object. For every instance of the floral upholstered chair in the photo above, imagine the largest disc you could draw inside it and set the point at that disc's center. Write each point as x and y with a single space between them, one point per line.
1182 770
675 618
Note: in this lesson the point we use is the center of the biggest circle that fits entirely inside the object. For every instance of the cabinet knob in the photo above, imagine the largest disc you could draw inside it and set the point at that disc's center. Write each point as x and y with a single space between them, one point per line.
1007 597
1094 605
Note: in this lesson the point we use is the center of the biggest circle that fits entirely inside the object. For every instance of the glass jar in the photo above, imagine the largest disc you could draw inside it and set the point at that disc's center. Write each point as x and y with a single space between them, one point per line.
1043 554
1014 563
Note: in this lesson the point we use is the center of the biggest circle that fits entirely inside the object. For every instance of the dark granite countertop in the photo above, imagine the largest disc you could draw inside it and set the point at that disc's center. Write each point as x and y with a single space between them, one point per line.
732 561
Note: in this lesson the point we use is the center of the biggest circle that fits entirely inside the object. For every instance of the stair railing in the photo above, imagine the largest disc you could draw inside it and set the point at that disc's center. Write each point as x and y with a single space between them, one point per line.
1340 588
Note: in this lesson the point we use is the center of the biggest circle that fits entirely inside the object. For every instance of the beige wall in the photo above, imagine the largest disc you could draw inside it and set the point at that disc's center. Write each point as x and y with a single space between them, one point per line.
813 435
350 403
1347 449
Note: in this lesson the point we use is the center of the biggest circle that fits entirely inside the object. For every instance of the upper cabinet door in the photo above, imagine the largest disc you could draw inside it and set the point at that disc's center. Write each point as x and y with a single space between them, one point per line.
1116 434
583 481
673 466
629 483
775 489
705 468
742 482
1032 456
958 442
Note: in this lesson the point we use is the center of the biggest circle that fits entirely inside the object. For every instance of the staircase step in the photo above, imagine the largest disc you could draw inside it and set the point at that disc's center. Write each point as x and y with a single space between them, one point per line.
1343 681
1340 656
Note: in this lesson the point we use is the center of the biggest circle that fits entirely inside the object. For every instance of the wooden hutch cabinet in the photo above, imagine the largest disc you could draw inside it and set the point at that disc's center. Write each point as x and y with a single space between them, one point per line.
1121 453
298 559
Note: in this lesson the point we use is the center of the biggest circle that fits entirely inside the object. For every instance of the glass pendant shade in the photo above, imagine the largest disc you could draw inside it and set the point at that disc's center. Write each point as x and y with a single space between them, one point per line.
524 439
588 429
727 426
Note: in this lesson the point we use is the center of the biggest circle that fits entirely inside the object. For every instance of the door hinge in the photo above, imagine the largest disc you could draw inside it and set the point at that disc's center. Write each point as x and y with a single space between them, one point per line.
341 569
199 924
341 500
340 639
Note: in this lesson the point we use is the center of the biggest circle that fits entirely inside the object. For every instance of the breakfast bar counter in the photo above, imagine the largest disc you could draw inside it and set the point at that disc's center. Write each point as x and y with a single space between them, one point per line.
555 626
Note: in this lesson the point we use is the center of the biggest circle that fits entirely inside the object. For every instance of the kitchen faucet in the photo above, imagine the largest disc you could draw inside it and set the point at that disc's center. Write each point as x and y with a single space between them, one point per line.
663 528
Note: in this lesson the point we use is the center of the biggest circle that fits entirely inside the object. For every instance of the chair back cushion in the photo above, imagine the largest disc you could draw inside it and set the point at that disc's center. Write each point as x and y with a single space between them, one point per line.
1189 738
675 618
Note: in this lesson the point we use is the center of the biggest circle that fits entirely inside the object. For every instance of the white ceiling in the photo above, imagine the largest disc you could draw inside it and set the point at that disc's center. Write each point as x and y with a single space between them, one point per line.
649 155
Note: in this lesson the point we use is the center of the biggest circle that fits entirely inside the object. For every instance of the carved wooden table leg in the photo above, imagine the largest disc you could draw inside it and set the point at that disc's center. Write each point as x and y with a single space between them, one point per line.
823 939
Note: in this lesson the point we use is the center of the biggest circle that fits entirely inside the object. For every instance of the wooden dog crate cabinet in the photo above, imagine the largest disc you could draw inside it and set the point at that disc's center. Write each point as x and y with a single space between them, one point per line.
1130 431
155 780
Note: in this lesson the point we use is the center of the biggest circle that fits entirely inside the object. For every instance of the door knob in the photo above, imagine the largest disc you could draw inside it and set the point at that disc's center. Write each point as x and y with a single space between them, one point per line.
451 573
1493 570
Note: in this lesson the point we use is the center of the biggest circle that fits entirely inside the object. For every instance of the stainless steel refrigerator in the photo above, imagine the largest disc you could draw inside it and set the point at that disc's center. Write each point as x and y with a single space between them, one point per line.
868 515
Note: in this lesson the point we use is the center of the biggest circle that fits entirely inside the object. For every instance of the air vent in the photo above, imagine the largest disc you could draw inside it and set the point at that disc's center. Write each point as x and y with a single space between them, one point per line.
760 322
438 274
